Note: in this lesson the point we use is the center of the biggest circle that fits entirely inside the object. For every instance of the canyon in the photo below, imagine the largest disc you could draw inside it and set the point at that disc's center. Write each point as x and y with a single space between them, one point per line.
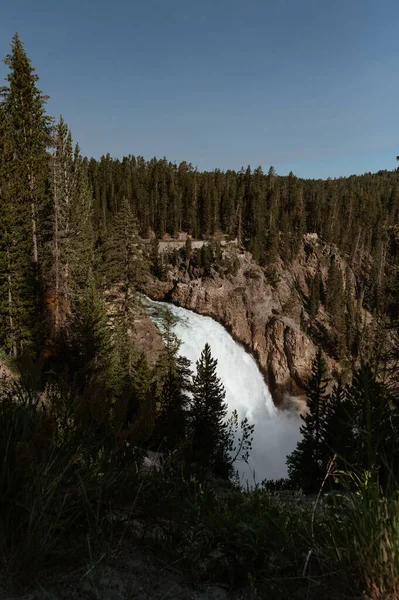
261 311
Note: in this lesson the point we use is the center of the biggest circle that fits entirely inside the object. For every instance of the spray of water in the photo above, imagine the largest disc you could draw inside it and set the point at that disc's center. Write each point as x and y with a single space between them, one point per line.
276 432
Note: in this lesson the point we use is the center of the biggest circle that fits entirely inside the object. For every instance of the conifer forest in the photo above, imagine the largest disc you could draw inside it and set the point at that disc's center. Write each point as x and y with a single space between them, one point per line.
84 406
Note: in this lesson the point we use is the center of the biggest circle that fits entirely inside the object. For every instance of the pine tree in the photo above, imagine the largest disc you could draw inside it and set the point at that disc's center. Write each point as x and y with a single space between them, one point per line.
81 245
130 389
62 185
167 359
173 400
173 382
338 436
72 235
372 426
210 437
126 264
29 135
90 343
25 133
17 309
307 463
157 266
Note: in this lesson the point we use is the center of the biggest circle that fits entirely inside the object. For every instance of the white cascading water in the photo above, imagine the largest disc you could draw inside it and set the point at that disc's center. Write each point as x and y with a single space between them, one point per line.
276 432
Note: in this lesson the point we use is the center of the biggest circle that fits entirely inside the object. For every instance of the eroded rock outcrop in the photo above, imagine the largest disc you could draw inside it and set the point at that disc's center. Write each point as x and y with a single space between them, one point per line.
265 318
147 337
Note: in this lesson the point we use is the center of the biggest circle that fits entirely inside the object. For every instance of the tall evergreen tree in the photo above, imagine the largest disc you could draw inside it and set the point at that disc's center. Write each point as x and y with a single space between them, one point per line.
126 263
81 246
72 236
210 437
90 347
131 390
337 434
25 136
373 431
29 130
307 463
62 184
173 382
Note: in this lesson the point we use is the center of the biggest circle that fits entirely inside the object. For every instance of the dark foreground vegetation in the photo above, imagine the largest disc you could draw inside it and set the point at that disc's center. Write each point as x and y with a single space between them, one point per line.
87 408
63 486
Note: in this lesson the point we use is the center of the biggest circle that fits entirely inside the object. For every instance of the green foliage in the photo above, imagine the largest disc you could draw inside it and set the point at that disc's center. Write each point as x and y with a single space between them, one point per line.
172 414
125 262
338 436
130 389
267 213
374 424
90 340
307 463
156 262
205 258
24 137
210 439
240 436
357 424
251 539
173 382
50 485
72 240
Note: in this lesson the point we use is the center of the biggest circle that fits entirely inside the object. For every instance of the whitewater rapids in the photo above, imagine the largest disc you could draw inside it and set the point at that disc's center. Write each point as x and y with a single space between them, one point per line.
276 432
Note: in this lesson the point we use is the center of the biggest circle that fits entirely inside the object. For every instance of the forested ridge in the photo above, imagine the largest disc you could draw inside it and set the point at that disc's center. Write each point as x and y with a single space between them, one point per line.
267 213
69 205
74 251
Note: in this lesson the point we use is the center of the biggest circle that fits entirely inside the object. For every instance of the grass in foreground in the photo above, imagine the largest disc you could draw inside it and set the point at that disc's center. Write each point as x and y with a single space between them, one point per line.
59 490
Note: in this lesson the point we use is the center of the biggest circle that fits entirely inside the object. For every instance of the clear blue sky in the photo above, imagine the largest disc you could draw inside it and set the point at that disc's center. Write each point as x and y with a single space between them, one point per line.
305 85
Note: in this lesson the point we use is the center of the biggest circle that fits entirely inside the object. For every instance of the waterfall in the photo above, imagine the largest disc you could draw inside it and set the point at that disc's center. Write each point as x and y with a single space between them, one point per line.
276 432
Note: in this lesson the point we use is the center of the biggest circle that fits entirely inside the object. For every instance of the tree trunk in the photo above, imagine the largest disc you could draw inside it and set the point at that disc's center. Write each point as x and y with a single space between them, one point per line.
56 255
10 303
34 235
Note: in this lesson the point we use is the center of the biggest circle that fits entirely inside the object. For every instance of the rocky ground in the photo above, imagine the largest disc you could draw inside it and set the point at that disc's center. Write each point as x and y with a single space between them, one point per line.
128 574
136 565
139 563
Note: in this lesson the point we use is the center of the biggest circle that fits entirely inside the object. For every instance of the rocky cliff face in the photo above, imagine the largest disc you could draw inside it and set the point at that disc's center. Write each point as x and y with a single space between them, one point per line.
263 317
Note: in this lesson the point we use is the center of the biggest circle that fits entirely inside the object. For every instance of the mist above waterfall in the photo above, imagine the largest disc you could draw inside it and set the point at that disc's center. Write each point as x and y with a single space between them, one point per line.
276 432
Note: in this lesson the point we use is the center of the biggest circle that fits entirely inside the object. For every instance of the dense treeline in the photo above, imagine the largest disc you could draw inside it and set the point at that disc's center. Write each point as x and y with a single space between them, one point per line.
269 213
